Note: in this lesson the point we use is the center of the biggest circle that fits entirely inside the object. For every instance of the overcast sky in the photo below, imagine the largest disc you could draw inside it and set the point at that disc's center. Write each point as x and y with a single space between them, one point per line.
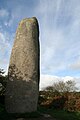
59 23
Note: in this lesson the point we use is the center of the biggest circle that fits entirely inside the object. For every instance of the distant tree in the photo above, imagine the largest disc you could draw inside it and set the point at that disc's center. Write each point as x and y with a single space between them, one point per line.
1 71
1 75
50 89
3 80
70 86
61 86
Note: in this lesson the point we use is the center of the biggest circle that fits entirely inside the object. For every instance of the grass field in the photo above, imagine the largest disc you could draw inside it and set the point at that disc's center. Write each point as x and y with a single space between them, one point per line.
61 114
58 114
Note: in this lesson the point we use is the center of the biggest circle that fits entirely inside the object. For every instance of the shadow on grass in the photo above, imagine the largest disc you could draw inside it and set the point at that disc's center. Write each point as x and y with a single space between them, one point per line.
11 116
61 114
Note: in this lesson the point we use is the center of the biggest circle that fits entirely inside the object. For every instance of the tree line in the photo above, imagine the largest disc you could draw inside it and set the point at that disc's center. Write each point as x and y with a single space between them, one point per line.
61 95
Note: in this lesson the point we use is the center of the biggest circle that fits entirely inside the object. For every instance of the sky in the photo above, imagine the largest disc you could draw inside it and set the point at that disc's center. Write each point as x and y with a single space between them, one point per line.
59 26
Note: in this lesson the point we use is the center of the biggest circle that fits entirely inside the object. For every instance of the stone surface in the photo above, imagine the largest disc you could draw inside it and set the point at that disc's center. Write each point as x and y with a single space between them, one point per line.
23 81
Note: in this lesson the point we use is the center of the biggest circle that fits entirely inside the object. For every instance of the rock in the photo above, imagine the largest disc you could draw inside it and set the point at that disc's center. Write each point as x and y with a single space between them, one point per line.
20 119
23 81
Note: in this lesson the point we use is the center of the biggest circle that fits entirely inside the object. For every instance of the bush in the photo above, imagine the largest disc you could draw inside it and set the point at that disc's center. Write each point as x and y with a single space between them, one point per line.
73 103
3 81
77 104
67 101
58 102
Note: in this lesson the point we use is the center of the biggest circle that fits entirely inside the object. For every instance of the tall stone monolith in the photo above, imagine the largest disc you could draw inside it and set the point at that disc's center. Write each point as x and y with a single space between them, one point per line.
23 74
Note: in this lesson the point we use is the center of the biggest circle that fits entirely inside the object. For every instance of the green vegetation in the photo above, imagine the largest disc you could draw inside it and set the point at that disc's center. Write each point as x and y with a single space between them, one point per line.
61 101
61 114
58 114
62 95
3 81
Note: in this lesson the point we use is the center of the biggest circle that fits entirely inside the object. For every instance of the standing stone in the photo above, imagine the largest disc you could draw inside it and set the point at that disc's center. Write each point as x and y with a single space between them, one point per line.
23 82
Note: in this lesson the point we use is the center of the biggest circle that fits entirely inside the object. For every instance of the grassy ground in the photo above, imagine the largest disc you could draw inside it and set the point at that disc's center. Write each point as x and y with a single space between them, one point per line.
61 114
58 114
